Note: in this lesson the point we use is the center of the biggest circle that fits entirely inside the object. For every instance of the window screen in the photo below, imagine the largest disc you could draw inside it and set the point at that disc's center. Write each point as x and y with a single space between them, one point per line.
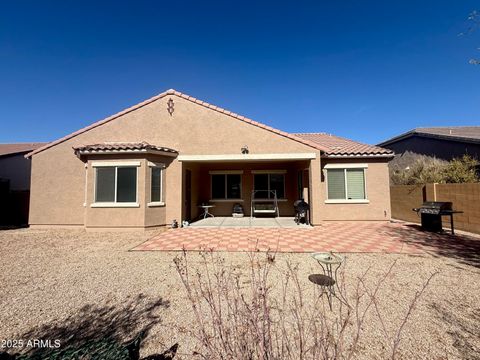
261 186
218 186
155 195
105 184
336 183
234 184
355 184
126 184
263 183
277 183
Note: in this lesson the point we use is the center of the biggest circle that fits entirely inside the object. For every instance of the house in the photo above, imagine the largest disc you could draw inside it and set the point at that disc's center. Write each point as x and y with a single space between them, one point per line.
441 142
15 182
157 161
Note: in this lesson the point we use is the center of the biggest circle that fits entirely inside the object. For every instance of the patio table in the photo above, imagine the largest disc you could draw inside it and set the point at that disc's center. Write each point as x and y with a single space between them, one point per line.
330 263
206 213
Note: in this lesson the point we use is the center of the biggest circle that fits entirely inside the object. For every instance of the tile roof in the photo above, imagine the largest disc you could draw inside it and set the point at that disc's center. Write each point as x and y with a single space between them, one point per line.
18 148
112 146
458 133
186 97
338 146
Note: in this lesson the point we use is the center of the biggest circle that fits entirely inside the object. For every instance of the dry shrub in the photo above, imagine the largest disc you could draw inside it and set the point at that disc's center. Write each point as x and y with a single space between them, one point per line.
257 315
413 169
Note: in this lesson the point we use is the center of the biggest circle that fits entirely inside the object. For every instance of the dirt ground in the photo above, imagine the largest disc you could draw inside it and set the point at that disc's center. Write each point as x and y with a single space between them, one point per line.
57 283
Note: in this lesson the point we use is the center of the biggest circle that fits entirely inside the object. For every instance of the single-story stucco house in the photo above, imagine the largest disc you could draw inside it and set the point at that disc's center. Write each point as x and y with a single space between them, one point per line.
157 161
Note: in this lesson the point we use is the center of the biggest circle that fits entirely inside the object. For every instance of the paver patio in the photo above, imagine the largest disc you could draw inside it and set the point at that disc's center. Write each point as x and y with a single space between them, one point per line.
358 237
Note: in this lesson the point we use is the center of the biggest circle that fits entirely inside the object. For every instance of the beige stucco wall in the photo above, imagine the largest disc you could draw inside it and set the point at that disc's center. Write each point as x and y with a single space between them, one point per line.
58 176
378 194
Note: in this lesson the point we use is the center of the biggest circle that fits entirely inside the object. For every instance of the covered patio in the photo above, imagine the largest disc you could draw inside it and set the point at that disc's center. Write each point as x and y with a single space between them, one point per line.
262 185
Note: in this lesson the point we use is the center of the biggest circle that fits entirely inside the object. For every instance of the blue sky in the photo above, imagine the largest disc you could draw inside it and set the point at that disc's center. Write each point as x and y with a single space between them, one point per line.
366 70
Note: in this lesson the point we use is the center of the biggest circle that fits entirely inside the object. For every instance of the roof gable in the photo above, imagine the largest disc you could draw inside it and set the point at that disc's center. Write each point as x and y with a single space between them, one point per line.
186 97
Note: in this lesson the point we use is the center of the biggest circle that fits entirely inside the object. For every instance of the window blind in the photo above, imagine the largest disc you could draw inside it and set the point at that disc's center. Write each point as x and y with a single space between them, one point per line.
355 184
336 183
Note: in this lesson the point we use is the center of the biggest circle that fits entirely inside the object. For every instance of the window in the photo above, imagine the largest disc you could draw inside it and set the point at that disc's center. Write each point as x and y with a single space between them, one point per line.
226 186
115 184
156 185
264 183
346 184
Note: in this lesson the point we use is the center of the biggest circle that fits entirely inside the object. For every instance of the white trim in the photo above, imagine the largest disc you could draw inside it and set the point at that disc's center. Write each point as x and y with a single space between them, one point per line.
359 156
347 201
130 151
248 157
346 166
115 205
86 186
269 171
115 163
154 164
225 172
155 204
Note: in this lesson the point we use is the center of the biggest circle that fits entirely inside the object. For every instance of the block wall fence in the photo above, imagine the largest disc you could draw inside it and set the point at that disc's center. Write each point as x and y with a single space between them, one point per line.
465 197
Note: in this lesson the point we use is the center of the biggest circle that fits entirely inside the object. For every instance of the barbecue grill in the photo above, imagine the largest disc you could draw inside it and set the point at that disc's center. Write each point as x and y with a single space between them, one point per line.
301 211
431 213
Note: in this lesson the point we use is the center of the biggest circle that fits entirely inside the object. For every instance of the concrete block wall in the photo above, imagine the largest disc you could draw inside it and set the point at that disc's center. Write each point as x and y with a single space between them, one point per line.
465 197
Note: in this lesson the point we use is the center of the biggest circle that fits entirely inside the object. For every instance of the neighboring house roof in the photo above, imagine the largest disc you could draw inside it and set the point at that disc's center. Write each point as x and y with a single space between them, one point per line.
19 148
470 134
186 97
341 147
122 147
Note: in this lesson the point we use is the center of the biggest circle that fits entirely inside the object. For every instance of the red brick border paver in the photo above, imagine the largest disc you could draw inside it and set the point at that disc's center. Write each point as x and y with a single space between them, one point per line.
361 237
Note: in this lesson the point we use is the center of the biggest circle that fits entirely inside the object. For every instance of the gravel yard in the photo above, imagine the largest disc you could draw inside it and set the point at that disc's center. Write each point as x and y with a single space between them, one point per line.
54 283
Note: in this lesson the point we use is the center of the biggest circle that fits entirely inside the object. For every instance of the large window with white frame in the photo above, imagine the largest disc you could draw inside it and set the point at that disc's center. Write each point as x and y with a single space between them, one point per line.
116 184
156 184
346 184
266 181
226 185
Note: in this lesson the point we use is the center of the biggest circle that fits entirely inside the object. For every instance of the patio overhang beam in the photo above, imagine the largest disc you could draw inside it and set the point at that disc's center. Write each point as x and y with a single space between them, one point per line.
247 157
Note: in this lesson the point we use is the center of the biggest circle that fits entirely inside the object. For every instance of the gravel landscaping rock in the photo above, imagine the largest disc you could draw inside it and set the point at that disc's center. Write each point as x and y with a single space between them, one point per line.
66 283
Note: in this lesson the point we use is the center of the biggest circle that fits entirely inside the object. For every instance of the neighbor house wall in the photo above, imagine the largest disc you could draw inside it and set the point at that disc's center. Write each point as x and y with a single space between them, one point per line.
439 148
377 189
16 169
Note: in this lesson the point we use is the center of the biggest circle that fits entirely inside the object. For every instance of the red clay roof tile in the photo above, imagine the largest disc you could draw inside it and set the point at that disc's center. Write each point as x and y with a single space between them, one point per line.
338 146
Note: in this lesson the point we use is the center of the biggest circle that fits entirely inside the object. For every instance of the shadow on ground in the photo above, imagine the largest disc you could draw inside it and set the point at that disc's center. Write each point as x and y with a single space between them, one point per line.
98 332
462 330
463 248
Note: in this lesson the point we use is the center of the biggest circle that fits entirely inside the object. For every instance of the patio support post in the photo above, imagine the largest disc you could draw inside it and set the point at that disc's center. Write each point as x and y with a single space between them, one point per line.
315 189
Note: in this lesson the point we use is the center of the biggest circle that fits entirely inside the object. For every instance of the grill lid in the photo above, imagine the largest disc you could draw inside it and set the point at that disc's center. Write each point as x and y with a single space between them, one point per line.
437 205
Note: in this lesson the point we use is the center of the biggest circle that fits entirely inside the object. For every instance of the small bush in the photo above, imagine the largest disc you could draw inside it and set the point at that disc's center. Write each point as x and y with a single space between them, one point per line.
253 315
424 170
